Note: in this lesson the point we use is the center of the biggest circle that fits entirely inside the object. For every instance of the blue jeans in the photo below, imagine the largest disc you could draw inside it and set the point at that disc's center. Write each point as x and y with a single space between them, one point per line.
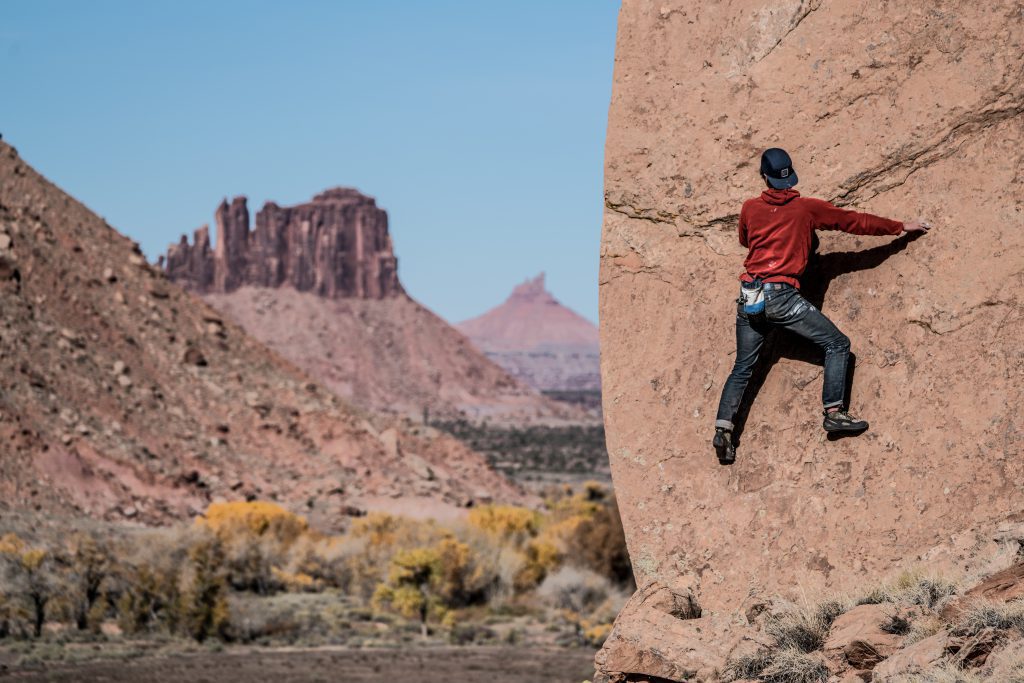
784 308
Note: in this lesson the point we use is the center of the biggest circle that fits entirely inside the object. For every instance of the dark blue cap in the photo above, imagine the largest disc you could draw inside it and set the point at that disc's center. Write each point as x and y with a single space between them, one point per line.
778 168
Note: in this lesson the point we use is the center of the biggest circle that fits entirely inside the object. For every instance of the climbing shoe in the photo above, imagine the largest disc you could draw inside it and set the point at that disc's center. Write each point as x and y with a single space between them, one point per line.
842 421
724 446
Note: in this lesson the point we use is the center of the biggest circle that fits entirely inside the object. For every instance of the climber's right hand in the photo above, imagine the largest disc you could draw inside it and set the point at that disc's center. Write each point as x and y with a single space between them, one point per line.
917 226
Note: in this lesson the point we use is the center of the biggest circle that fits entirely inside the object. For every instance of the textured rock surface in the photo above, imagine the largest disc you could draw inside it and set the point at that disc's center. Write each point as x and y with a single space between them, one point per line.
660 637
126 397
857 638
900 109
336 246
538 340
914 658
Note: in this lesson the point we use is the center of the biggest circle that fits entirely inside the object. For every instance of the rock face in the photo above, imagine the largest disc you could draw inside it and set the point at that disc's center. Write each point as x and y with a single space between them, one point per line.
335 246
538 340
125 396
897 109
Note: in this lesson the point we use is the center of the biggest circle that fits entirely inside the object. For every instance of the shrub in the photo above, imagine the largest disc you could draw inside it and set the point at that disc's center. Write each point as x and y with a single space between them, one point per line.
468 634
588 601
539 558
426 582
315 618
256 538
509 523
748 665
923 628
599 544
896 624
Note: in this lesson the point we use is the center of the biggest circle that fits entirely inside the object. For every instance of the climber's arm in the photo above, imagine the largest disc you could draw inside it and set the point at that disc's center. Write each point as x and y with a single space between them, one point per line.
826 216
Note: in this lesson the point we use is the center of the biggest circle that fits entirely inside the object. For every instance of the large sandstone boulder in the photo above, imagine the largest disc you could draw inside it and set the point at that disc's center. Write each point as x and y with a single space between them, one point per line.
899 109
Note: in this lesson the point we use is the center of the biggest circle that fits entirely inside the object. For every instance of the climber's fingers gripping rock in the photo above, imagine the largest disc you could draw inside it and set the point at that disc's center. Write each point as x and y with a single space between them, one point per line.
918 225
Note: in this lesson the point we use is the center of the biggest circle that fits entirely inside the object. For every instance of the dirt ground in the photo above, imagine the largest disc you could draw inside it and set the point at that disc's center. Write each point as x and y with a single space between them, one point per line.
440 665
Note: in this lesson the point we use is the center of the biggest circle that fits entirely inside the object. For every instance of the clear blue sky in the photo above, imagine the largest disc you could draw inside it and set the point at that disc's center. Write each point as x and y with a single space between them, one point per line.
479 126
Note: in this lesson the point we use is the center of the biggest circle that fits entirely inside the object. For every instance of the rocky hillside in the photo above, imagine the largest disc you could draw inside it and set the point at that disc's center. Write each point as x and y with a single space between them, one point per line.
538 340
318 283
901 110
126 397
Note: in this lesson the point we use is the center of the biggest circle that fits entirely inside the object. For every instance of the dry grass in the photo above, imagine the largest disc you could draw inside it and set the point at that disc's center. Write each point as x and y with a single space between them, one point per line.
798 631
943 674
1002 617
789 665
1011 671
785 665
913 588
923 628
748 666
804 627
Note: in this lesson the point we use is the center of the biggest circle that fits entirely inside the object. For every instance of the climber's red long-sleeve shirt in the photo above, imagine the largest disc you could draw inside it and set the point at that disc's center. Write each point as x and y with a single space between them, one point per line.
778 226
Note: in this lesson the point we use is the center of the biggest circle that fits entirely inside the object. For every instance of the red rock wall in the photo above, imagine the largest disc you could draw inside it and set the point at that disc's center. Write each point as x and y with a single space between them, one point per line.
336 246
899 109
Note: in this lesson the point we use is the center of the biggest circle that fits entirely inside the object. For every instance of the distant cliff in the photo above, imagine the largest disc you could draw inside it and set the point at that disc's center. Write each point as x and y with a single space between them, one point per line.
538 340
336 246
318 283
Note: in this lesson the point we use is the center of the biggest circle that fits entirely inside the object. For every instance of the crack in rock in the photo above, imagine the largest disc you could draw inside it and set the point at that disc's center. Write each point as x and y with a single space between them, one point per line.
914 160
931 324
797 20
643 214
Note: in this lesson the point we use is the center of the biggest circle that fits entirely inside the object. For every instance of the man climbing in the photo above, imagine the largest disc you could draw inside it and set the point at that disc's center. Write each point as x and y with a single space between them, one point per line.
778 229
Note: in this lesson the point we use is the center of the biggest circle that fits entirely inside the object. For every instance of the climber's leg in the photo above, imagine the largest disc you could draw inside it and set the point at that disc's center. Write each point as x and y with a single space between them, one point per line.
787 308
749 341
814 325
